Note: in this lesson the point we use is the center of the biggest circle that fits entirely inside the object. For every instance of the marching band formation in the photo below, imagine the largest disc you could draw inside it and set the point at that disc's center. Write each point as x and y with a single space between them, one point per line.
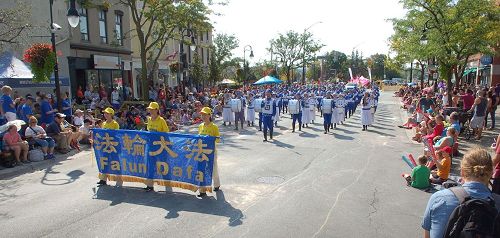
335 103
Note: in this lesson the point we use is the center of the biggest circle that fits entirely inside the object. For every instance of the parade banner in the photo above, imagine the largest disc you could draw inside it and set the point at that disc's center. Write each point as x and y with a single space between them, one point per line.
168 159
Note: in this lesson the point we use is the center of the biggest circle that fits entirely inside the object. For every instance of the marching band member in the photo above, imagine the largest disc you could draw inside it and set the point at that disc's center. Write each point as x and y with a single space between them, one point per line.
286 98
340 104
277 100
350 105
366 115
250 109
239 111
295 111
319 98
312 108
305 111
227 114
208 128
335 115
268 114
327 106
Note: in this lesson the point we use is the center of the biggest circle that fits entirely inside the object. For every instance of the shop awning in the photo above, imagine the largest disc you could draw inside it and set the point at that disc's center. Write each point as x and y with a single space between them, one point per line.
471 70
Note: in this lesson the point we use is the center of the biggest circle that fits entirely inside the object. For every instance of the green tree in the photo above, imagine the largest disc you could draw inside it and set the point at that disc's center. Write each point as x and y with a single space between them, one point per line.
14 25
155 22
197 72
223 45
335 64
455 30
292 47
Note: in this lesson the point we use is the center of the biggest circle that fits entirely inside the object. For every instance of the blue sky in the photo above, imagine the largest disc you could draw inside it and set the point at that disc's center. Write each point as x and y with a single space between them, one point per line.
348 24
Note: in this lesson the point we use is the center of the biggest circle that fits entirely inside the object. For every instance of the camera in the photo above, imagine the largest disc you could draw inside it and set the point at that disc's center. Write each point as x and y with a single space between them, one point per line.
56 27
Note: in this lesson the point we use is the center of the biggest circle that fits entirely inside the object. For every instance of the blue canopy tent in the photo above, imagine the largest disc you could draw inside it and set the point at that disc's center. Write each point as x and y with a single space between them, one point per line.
267 80
17 74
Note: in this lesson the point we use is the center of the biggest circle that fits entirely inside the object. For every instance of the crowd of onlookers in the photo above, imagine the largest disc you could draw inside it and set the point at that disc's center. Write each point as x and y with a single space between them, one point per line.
46 129
440 121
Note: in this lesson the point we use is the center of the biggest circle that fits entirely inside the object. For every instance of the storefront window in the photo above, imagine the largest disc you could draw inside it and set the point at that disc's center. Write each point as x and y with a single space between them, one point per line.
91 79
117 79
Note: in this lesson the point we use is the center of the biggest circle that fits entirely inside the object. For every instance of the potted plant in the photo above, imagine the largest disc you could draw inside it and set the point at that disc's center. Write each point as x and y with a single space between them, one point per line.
42 59
174 67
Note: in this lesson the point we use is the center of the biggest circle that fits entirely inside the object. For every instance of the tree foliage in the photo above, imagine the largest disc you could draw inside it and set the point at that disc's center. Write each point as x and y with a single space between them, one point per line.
293 48
455 29
14 25
223 45
157 21
197 72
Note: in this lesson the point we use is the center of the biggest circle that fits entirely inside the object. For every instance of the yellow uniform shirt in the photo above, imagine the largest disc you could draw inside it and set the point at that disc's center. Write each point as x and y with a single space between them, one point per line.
158 125
111 125
209 130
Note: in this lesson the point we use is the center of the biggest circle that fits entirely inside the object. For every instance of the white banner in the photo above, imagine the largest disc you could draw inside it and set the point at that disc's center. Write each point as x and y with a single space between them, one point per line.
350 73
370 73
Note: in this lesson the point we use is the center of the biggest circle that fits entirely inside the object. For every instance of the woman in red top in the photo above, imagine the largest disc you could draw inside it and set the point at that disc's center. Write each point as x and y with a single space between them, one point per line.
12 141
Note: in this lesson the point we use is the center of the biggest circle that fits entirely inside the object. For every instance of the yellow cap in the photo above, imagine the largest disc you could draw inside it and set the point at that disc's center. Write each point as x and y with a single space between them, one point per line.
154 106
109 111
206 110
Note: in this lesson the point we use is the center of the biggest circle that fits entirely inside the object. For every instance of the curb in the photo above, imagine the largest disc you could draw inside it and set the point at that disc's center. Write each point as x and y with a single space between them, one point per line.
8 173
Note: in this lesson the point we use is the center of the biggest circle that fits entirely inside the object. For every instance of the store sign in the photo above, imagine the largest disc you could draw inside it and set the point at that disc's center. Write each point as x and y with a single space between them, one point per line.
486 60
106 62
28 83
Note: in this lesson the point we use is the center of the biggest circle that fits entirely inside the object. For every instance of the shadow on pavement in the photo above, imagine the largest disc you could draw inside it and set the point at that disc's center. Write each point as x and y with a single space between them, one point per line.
73 176
380 133
342 137
172 202
281 144
307 134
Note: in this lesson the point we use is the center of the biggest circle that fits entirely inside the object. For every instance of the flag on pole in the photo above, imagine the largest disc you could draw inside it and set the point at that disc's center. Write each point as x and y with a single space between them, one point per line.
350 73
370 73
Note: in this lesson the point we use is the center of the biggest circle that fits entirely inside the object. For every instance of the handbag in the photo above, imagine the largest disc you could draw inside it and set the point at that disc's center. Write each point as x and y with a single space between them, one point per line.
35 155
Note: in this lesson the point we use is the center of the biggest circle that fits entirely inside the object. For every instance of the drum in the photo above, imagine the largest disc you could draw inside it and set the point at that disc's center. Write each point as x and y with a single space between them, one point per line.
294 106
235 105
258 105
326 105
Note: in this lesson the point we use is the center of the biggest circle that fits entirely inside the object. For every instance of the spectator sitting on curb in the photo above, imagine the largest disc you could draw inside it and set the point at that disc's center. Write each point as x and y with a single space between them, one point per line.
12 141
443 165
39 136
419 177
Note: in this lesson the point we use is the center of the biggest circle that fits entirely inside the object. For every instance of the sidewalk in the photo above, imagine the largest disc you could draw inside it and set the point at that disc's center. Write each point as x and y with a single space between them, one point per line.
487 139
7 173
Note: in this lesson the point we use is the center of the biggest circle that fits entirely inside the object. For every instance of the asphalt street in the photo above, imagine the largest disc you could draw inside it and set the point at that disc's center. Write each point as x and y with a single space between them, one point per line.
304 184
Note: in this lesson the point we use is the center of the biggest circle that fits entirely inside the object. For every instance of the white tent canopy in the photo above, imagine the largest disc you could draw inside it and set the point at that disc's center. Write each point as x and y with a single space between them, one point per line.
227 81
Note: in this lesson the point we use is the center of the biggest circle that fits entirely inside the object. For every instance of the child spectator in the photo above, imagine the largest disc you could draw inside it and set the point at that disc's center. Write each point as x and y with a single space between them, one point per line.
443 165
85 132
419 177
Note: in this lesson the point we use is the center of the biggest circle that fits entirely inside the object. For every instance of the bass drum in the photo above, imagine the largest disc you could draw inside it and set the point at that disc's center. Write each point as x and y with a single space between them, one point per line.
294 106
258 105
326 106
235 105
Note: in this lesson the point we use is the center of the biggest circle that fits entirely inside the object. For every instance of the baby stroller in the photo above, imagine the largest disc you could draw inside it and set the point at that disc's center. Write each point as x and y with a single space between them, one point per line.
464 119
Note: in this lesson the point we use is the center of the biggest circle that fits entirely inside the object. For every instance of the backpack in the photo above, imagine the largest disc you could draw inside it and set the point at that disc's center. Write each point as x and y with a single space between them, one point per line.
474 218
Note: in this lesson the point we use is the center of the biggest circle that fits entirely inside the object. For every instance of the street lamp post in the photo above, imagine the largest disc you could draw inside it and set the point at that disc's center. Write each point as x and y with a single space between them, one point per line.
244 62
304 51
73 20
183 59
